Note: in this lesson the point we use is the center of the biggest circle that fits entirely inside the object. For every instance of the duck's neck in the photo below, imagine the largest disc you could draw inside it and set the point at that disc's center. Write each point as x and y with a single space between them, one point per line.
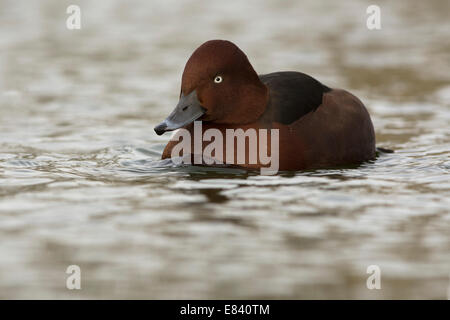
253 102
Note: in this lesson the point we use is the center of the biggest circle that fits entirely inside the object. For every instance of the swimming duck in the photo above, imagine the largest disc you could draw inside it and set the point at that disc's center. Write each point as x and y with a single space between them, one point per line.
318 126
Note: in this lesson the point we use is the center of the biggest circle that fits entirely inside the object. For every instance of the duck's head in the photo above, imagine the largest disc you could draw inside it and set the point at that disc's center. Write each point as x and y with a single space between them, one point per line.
218 85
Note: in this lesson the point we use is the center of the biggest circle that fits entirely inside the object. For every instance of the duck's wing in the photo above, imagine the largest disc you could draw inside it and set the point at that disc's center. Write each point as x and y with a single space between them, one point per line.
292 95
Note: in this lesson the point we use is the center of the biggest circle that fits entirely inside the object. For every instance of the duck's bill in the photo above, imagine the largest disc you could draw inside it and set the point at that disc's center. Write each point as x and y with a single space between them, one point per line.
187 111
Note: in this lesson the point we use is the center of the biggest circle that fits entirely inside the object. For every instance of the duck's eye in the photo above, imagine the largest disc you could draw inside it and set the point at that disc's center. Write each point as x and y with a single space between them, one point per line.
218 79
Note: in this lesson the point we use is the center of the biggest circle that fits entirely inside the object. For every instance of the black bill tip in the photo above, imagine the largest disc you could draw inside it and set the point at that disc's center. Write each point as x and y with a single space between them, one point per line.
160 128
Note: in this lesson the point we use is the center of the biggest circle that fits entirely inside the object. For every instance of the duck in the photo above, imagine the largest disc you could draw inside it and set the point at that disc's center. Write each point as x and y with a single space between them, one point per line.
317 126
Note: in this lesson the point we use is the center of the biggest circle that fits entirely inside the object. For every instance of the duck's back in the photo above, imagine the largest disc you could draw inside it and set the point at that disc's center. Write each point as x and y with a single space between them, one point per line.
292 95
319 126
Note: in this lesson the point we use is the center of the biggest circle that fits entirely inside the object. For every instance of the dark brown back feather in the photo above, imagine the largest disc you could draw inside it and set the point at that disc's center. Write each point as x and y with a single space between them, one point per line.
292 95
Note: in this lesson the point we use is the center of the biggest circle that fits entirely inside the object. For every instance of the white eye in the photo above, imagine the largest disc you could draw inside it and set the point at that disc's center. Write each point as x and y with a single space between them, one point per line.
218 79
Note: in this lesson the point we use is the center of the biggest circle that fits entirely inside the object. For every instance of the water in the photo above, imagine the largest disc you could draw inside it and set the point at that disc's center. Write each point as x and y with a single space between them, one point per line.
81 181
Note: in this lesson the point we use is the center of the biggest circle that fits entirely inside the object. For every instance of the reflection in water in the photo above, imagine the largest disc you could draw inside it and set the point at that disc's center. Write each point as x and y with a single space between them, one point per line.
81 181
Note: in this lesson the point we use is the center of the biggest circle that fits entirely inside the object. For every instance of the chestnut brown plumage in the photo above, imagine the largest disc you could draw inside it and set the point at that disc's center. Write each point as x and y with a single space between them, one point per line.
319 126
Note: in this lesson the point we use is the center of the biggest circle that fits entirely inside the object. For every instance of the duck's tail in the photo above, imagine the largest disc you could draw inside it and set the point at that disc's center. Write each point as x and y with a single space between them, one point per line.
384 150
